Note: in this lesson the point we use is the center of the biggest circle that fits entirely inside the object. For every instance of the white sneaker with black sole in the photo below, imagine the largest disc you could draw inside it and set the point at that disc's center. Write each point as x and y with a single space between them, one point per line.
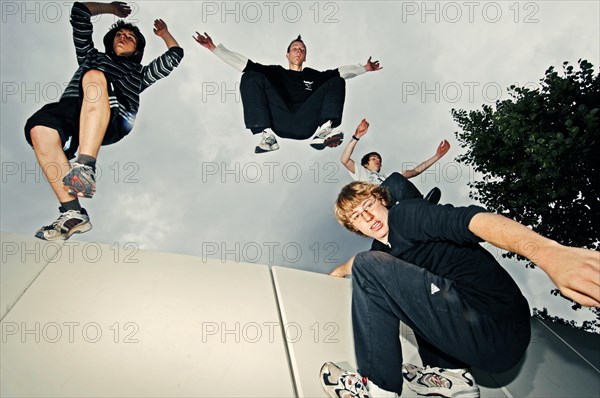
339 383
69 223
440 381
326 137
268 142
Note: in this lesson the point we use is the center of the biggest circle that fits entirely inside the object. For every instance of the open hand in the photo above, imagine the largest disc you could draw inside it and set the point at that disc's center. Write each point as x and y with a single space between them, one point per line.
372 65
121 9
160 27
576 273
205 41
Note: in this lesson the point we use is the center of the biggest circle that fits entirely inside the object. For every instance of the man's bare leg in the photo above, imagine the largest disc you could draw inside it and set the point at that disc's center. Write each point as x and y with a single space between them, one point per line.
93 122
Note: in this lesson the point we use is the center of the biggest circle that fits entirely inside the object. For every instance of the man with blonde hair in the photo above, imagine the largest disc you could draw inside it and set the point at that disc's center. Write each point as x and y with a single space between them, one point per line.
427 269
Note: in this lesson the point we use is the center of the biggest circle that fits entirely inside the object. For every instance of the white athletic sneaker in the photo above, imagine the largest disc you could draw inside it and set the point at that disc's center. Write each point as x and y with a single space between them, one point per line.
326 137
440 381
69 223
268 142
339 383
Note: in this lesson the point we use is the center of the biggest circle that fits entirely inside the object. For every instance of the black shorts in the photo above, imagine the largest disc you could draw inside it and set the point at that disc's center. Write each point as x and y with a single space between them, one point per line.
63 116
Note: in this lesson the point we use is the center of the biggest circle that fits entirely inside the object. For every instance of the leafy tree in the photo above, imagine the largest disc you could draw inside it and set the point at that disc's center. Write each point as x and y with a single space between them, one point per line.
538 153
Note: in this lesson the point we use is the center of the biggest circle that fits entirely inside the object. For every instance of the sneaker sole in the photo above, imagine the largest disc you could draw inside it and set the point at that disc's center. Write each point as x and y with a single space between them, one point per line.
331 142
76 230
260 150
76 187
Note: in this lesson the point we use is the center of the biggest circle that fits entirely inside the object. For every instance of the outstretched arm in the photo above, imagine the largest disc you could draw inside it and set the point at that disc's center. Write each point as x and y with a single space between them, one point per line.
235 60
575 271
344 269
441 151
161 30
361 130
118 8
350 71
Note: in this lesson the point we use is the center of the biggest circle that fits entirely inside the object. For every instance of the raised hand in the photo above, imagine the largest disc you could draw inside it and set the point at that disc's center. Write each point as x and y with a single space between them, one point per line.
121 9
372 65
362 128
205 41
160 27
442 149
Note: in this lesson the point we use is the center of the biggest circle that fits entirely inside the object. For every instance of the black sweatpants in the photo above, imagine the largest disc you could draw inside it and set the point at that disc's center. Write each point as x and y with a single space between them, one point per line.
449 331
264 107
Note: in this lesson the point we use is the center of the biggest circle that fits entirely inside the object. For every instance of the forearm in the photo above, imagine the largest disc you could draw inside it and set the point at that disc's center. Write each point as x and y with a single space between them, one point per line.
421 167
169 40
347 154
350 71
510 235
575 271
235 60
99 8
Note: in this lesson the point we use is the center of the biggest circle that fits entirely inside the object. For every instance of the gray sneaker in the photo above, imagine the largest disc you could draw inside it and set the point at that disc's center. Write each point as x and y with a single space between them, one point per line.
80 181
268 142
326 137
440 381
339 383
69 223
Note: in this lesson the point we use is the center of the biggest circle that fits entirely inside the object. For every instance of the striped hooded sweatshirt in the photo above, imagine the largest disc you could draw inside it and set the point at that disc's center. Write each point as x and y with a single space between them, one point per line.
126 79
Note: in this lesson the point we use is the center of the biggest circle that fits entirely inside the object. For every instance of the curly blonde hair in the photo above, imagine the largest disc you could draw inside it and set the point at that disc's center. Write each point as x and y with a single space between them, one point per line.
352 195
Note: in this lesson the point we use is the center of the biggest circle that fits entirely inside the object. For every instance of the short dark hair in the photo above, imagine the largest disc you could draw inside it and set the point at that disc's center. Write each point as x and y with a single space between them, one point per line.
365 159
299 38
109 39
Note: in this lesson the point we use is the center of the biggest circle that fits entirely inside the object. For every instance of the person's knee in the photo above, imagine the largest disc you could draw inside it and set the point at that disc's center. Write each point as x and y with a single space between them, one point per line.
94 75
43 138
364 261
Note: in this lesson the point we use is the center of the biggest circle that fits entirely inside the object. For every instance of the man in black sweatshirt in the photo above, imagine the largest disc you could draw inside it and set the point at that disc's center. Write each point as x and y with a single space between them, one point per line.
294 103
427 269
98 107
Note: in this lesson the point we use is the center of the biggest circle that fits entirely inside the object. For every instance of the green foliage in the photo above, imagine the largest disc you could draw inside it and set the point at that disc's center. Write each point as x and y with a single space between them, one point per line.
538 154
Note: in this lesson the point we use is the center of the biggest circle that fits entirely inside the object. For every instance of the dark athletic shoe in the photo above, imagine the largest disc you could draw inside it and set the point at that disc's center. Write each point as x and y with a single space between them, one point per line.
339 383
326 137
69 223
268 142
434 196
439 381
80 181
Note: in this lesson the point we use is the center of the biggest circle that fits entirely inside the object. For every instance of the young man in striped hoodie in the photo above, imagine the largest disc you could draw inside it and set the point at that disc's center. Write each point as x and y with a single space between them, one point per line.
97 108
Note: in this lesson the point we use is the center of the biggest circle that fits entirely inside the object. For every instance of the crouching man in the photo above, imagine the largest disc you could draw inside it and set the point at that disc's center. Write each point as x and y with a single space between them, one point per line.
427 269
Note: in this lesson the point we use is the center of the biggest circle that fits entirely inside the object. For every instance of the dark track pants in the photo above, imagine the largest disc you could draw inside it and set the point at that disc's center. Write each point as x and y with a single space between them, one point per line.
264 107
449 331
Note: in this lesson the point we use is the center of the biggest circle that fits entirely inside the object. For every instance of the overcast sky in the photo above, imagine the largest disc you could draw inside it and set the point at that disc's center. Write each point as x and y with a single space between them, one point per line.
186 180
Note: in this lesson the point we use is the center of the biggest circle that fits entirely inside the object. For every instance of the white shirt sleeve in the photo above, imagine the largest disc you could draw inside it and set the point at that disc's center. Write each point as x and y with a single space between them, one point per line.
350 71
237 61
